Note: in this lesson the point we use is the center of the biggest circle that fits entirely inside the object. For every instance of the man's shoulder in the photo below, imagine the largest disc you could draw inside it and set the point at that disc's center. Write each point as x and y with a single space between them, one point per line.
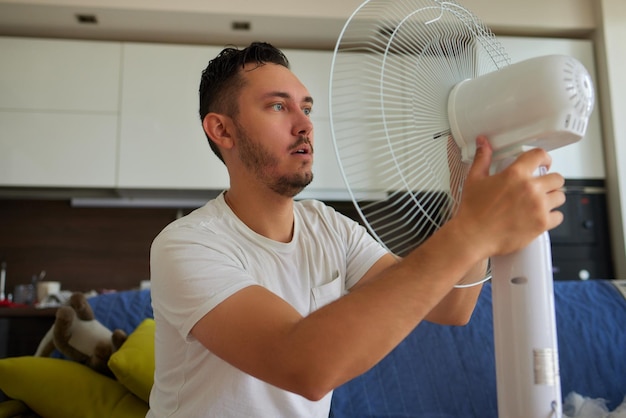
205 219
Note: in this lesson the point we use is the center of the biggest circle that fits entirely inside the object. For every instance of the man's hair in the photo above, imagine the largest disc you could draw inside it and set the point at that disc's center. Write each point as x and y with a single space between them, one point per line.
222 81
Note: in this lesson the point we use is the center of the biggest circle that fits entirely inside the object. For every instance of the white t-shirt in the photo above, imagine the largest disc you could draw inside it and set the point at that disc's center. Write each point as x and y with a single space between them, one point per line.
203 258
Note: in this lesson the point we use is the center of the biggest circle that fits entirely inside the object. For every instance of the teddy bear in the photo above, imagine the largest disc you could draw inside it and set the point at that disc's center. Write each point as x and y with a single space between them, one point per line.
79 336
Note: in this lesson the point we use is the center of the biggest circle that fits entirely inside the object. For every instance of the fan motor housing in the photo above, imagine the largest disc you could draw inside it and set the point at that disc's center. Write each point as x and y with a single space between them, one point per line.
541 102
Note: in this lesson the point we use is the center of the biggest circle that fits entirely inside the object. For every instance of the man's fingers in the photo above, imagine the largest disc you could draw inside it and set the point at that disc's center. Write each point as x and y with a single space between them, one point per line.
482 159
553 181
535 158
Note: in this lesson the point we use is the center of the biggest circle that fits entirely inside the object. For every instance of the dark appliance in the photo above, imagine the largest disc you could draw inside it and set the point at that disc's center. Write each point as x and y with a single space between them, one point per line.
581 247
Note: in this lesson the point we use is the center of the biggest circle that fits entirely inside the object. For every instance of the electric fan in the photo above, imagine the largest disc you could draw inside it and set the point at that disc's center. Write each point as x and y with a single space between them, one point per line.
413 83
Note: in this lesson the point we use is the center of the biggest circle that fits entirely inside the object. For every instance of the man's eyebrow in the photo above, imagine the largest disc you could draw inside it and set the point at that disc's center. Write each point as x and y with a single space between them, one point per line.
284 95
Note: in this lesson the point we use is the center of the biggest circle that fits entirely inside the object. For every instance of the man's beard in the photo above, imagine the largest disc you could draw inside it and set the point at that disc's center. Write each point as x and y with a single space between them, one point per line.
260 161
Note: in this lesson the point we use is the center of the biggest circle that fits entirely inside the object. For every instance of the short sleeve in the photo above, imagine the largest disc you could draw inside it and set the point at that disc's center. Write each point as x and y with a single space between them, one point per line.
192 272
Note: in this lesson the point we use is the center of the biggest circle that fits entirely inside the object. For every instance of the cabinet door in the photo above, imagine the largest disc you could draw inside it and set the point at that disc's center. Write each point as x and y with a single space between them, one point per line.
58 75
58 112
584 159
162 144
47 149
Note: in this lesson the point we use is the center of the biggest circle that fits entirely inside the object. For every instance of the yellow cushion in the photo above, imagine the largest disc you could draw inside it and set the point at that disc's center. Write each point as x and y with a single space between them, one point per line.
12 408
133 363
57 388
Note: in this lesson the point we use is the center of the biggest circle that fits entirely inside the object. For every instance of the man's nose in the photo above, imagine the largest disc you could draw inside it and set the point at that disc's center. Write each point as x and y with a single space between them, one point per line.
303 125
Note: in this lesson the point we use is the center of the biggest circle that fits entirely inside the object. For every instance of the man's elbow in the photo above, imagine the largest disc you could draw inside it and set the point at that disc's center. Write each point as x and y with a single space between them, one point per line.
316 379
313 390
458 318
315 395
461 320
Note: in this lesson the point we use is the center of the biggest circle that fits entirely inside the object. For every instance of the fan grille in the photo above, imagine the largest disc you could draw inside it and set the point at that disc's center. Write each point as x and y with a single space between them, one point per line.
394 66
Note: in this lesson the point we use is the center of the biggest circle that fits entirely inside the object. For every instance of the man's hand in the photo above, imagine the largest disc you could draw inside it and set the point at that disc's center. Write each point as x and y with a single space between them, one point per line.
504 212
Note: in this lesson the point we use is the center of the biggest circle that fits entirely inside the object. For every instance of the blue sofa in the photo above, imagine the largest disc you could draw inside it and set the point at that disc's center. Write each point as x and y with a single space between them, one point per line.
449 372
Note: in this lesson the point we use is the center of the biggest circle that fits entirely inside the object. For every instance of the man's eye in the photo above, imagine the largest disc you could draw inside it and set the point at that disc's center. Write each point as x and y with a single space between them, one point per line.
277 106
307 111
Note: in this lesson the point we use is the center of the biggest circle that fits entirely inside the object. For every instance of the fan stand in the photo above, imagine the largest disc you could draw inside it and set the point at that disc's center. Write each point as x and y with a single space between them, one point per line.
525 336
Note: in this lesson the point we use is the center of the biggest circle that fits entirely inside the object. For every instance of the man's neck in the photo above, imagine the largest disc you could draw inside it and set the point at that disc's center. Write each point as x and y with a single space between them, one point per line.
266 213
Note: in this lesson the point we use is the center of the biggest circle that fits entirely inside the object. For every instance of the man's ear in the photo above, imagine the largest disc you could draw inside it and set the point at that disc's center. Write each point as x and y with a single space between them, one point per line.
218 128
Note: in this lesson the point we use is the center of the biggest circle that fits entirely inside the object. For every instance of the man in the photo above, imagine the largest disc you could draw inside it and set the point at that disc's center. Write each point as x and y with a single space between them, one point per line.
264 305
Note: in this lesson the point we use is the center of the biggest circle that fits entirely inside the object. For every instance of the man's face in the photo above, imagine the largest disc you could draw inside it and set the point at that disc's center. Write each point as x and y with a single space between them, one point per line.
274 135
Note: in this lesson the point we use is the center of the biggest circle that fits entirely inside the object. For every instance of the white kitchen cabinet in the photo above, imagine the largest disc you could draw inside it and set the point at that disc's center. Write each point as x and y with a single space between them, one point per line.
59 75
125 115
162 144
584 159
58 112
47 149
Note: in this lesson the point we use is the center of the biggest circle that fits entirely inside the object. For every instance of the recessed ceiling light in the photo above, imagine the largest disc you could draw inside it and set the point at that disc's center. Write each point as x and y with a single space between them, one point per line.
87 19
240 25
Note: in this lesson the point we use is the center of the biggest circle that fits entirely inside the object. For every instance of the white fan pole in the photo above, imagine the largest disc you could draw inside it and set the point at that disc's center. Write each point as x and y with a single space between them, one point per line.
525 337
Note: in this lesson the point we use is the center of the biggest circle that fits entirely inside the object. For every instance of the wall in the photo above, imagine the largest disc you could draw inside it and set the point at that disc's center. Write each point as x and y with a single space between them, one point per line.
83 248
609 38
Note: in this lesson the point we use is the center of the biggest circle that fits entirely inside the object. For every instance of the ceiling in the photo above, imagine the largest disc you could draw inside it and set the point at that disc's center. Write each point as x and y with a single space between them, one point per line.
117 24
285 23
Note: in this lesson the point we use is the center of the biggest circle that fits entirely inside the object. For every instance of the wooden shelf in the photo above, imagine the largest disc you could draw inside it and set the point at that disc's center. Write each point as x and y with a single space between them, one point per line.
26 312
22 328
